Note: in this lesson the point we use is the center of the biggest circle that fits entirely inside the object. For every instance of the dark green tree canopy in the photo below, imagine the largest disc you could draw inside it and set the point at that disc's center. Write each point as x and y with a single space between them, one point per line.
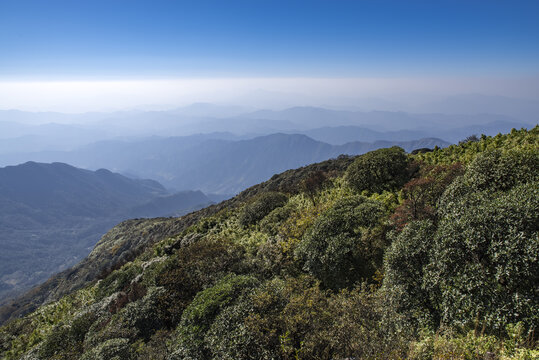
481 260
334 248
260 207
379 170
485 258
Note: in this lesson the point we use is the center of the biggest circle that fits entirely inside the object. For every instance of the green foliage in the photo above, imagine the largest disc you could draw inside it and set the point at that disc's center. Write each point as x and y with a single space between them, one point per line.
229 338
295 319
454 346
480 261
117 281
272 222
324 275
421 194
497 171
466 152
29 333
193 268
260 207
57 344
383 169
208 302
264 321
66 341
336 248
473 345
205 307
363 326
145 315
314 183
154 349
404 266
485 258
208 223
110 350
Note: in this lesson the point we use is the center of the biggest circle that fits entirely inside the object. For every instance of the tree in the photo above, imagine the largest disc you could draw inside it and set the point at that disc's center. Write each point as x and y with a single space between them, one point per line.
404 264
471 138
313 183
422 193
484 262
379 170
202 312
337 249
261 206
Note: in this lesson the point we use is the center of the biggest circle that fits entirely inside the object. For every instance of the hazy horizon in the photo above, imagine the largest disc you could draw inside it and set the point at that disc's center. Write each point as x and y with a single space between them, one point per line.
374 55
402 94
84 72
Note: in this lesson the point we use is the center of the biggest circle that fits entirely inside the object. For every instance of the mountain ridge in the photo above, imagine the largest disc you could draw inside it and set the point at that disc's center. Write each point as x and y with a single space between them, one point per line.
51 215
212 165
294 266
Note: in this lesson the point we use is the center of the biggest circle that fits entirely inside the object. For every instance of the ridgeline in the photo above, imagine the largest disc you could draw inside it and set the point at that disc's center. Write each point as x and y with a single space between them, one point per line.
387 255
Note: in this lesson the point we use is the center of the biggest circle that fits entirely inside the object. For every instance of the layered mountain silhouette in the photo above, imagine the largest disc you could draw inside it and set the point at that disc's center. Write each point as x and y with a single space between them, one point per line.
51 215
22 131
214 165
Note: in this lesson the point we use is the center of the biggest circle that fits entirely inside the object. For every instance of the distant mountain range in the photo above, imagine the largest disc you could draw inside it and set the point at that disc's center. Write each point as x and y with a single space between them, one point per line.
51 215
212 165
48 131
523 109
55 213
340 135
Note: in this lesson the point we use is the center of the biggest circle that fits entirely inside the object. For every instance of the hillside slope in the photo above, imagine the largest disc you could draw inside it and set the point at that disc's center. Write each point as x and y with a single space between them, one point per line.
51 215
131 237
385 255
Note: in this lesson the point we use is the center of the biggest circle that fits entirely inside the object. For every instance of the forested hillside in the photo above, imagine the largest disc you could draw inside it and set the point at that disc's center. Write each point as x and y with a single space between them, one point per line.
387 255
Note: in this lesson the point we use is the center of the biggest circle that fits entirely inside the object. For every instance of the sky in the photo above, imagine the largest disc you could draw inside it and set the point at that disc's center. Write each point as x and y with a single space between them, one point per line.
83 48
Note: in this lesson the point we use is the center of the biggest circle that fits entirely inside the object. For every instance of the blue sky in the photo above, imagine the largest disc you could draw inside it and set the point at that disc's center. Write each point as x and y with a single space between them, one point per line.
114 39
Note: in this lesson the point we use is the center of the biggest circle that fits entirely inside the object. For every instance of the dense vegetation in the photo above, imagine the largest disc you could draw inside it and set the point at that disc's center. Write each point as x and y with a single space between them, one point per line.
434 256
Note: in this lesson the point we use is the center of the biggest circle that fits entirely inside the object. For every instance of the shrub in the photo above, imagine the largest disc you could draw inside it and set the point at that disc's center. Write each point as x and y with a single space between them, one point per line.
485 258
118 280
154 349
58 343
272 222
336 249
471 138
265 322
193 268
497 171
205 307
404 264
229 338
80 326
449 344
111 349
304 318
422 193
481 261
284 314
296 319
314 183
261 206
379 170
363 326
66 341
421 151
145 315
